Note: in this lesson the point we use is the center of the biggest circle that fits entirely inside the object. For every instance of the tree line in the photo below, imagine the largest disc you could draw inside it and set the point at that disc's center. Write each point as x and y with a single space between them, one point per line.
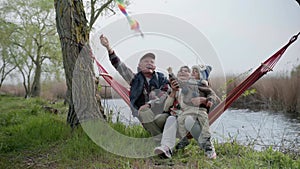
44 38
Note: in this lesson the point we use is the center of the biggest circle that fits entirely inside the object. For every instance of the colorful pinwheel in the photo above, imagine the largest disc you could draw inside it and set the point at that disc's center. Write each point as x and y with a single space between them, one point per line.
134 25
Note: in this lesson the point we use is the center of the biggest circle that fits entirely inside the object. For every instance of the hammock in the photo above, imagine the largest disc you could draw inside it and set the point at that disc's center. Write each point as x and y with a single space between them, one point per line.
233 94
250 80
121 90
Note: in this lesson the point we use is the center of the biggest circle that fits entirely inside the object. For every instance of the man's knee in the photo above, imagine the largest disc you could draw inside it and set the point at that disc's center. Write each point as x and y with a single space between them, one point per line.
146 116
160 120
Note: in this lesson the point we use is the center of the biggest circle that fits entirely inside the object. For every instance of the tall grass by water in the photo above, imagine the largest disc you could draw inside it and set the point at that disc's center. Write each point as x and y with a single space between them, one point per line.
31 136
279 93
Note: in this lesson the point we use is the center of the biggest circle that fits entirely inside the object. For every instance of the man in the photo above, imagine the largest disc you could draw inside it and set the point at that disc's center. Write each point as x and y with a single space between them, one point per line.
145 81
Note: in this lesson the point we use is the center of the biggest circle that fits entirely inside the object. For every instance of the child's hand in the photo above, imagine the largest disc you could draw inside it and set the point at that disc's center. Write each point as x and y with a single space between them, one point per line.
169 69
209 104
152 95
198 100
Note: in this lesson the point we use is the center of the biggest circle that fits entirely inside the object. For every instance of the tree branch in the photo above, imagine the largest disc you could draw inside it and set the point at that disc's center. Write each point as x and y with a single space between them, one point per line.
96 13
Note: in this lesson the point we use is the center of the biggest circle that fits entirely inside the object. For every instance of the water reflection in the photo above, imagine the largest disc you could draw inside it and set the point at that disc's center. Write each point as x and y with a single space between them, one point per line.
260 129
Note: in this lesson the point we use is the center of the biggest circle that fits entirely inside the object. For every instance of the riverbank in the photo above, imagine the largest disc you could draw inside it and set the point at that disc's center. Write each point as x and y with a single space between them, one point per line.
31 136
279 93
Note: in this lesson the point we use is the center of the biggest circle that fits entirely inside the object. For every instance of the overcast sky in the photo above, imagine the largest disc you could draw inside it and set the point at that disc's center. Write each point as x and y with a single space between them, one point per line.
242 33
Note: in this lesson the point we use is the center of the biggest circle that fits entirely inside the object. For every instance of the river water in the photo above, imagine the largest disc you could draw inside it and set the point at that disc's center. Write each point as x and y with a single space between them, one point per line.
259 129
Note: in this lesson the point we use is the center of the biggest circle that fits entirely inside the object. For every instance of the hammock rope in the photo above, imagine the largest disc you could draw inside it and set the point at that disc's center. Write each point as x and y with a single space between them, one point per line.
264 68
120 89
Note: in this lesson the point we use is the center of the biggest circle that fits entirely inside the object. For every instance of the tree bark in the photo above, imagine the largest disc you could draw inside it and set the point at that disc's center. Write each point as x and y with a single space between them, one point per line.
73 31
36 84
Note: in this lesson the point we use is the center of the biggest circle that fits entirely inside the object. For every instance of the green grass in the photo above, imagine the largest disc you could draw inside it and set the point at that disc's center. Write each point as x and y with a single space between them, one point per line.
31 137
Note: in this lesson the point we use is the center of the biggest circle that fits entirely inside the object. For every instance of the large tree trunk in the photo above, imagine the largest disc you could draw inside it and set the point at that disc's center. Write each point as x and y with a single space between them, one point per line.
73 31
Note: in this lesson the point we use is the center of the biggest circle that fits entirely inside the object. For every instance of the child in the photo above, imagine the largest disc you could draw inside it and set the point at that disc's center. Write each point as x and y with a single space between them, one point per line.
196 89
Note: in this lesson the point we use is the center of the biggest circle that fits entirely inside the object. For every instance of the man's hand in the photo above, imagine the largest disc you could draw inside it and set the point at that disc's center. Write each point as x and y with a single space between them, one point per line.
144 107
174 85
104 41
